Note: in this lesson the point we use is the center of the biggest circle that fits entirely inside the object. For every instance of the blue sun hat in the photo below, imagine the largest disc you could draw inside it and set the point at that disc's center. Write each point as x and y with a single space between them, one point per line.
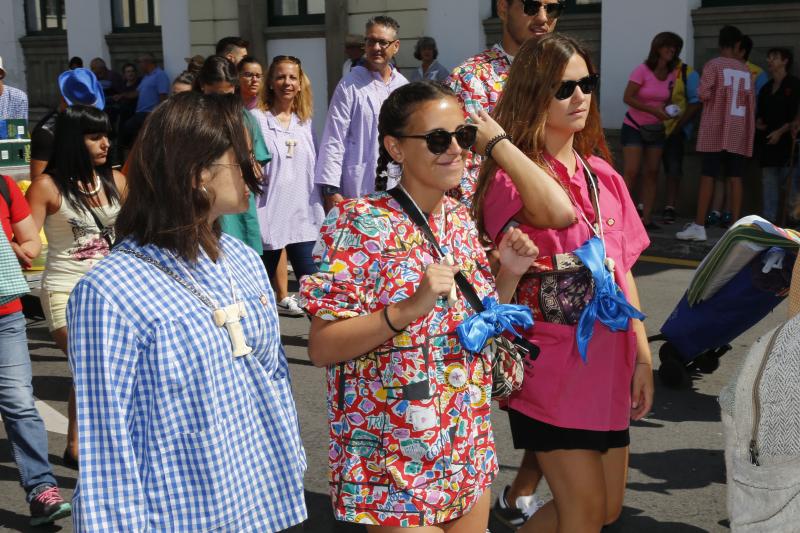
80 86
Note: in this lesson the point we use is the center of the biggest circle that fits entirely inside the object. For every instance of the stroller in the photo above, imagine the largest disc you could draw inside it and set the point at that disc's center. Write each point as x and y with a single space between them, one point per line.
744 277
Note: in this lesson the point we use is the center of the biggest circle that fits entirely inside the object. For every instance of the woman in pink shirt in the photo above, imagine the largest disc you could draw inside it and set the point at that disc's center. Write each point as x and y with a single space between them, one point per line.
643 134
594 371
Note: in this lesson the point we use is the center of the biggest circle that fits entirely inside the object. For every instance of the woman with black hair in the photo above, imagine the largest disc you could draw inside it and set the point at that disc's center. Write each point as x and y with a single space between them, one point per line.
76 200
219 76
430 69
184 397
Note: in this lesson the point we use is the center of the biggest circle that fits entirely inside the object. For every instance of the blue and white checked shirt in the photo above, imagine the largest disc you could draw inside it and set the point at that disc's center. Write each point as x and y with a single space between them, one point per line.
175 433
13 103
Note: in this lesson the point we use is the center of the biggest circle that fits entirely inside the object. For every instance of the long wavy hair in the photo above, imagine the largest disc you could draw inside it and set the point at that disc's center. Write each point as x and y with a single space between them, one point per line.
534 78
303 104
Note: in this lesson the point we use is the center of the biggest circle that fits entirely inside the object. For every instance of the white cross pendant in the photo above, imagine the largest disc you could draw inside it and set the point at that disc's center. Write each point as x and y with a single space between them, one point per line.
230 318
291 143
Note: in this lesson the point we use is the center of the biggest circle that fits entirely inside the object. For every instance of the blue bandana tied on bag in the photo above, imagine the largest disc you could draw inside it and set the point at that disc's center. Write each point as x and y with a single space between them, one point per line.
608 305
496 318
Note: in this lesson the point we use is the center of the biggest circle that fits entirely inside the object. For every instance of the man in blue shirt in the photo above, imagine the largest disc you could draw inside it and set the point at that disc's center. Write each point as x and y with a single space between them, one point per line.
152 90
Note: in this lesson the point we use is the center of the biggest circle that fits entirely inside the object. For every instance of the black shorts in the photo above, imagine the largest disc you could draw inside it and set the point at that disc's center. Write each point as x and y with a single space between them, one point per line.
733 164
673 154
530 434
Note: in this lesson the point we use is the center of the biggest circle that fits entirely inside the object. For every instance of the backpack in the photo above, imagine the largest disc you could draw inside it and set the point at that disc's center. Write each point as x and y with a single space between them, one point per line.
762 429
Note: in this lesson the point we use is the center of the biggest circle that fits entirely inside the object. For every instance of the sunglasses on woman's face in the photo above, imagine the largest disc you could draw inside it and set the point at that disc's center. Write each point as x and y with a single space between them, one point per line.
533 7
439 140
587 85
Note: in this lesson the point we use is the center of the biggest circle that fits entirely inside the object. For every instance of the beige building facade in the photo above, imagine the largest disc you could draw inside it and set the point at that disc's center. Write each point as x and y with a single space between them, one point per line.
39 36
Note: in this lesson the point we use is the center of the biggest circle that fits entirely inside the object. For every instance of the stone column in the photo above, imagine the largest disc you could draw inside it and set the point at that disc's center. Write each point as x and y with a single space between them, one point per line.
458 29
88 23
176 41
12 27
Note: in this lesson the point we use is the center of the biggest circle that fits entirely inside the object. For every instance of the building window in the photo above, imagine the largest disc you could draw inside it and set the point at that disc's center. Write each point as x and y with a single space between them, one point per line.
45 16
572 6
135 15
296 12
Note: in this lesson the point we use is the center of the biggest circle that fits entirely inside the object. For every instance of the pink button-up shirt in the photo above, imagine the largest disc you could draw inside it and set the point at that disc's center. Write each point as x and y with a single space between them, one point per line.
559 389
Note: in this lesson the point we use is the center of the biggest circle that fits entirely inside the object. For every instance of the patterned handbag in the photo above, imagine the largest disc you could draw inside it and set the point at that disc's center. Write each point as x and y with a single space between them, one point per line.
557 288
507 354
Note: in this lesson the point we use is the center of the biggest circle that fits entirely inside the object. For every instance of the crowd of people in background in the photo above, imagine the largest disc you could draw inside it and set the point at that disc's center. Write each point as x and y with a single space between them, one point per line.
745 114
164 278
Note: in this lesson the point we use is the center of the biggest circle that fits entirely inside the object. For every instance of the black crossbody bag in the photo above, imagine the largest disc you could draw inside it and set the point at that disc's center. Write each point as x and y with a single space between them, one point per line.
507 355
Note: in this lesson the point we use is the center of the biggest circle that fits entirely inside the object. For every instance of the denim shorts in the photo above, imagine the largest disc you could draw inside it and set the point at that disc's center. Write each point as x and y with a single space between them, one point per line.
630 136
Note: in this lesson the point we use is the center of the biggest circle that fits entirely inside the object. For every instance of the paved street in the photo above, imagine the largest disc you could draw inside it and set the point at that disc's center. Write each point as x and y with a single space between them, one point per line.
677 472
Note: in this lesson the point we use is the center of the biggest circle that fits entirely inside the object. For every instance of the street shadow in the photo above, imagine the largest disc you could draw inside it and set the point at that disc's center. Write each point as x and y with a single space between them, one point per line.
9 472
11 521
55 388
294 340
689 468
37 332
633 520
683 405
320 518
46 358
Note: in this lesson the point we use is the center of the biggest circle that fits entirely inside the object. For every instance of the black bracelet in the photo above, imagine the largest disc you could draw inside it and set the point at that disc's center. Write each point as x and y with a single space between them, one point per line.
386 318
494 140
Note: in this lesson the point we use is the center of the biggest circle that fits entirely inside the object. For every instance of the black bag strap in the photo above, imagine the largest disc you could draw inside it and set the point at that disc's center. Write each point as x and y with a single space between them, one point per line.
101 227
5 192
633 121
530 350
419 220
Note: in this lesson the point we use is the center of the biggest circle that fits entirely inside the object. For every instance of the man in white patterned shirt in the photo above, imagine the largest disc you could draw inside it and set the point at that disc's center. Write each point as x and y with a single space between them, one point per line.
13 102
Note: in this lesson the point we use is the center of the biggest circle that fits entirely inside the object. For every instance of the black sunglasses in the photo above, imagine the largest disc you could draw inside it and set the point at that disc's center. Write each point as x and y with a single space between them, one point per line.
533 7
587 85
439 140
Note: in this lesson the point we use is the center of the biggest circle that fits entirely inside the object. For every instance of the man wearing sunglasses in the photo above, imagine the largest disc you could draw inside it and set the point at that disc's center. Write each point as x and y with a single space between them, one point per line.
479 81
348 153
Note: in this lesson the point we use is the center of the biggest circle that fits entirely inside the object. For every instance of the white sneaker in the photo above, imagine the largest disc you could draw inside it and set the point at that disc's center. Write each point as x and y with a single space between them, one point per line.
692 232
530 504
288 306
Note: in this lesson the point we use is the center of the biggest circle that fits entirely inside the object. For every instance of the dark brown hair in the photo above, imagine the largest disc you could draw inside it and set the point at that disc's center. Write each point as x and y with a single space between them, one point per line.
534 78
395 113
665 38
179 140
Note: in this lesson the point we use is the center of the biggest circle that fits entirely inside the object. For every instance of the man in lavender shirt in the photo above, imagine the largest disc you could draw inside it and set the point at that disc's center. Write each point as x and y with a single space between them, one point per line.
348 153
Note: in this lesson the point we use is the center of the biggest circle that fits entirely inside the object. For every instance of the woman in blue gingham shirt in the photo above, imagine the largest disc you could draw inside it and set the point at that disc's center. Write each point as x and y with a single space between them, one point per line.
181 429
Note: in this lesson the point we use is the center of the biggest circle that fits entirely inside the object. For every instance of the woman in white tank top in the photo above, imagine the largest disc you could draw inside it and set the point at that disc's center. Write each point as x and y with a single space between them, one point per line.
76 200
